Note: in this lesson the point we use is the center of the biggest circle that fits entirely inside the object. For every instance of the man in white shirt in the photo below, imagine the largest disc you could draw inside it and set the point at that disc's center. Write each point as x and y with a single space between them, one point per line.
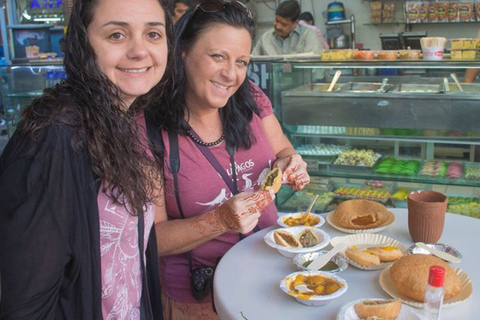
287 36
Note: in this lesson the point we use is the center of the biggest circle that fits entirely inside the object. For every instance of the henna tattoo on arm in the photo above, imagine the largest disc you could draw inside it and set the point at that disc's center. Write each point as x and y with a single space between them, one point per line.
260 199
227 216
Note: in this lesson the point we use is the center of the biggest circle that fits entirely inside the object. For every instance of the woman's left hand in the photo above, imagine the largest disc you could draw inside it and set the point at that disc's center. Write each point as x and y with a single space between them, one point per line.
294 171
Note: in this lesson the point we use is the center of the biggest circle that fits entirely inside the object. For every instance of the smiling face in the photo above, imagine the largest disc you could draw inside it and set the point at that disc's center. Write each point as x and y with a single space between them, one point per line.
216 69
283 26
130 43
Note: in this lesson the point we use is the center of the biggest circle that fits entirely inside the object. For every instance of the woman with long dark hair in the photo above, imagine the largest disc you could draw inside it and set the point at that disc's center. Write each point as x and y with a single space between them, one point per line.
78 180
227 139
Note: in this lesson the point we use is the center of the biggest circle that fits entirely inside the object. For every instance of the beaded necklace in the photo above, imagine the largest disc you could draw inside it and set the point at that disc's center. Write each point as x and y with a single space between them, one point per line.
198 141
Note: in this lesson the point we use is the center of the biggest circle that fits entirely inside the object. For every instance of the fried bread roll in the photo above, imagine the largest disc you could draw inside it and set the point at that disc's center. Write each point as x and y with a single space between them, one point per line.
362 257
360 214
308 238
382 309
273 180
409 275
386 253
286 239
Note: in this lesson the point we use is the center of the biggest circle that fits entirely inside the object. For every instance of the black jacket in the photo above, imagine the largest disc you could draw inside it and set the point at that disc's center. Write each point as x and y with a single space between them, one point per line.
49 232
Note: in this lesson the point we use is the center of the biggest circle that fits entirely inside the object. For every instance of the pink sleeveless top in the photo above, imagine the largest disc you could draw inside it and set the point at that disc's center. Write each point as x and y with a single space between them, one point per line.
120 260
202 189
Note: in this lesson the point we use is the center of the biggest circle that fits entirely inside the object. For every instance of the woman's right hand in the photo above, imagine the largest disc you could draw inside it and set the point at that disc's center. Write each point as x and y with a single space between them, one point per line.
241 212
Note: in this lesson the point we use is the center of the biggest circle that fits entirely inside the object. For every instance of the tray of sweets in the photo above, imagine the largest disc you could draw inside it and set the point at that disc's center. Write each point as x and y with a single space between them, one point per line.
345 192
434 169
300 200
472 171
320 149
393 166
356 159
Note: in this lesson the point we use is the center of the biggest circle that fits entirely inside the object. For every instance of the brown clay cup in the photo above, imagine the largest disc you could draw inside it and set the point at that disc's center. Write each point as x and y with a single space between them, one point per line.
426 215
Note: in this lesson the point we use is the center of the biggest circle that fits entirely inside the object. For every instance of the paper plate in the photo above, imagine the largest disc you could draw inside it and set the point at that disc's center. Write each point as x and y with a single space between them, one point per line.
389 221
365 240
466 291
347 312
296 231
281 219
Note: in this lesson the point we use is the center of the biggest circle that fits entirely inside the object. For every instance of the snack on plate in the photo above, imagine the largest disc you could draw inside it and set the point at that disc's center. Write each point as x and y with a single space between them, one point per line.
298 220
318 284
360 214
386 253
286 239
381 309
273 180
362 257
308 238
409 275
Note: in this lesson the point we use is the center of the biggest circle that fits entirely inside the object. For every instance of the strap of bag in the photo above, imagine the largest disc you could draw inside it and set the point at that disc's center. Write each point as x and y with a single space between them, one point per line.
146 307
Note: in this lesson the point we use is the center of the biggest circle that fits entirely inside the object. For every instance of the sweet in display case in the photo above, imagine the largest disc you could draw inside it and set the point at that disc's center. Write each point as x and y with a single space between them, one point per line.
386 128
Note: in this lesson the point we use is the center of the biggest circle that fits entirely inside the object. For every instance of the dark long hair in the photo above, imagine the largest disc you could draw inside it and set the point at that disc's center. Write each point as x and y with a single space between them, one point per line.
89 103
238 112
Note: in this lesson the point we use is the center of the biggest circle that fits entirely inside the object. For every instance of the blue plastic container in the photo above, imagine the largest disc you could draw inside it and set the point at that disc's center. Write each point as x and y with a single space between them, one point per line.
336 11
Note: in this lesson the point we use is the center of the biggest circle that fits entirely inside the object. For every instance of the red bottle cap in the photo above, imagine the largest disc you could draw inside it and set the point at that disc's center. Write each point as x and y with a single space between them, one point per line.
436 277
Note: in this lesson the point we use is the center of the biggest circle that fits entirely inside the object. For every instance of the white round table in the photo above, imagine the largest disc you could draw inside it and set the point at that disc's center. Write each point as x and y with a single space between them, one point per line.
246 284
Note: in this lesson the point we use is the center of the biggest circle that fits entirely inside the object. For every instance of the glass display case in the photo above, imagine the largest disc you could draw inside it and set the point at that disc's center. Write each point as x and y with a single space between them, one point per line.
386 128
23 83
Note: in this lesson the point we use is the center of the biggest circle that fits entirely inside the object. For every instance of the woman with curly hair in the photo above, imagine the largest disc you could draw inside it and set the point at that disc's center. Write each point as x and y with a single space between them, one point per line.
78 178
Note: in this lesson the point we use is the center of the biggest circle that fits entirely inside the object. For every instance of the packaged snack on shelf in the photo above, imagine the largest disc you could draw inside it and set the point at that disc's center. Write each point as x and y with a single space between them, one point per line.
453 11
412 11
464 43
433 12
424 9
442 11
477 10
466 11
464 54
376 5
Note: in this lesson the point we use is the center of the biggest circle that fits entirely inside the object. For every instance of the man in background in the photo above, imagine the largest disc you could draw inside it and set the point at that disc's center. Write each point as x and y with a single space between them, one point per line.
306 19
179 9
287 36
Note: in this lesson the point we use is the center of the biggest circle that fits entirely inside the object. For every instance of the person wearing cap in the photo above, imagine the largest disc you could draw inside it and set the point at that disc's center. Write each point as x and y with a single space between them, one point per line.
287 36
306 19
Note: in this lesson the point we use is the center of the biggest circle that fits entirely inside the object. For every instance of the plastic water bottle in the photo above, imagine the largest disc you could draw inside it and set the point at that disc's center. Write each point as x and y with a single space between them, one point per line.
434 293
49 79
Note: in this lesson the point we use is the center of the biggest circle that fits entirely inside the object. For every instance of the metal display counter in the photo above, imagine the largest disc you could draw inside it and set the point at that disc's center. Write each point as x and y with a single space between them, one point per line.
421 115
